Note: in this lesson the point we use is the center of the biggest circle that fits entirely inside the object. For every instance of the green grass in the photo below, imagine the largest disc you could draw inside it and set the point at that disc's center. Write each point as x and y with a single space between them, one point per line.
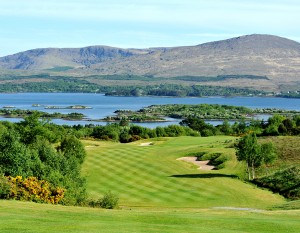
31 217
160 194
290 205
151 176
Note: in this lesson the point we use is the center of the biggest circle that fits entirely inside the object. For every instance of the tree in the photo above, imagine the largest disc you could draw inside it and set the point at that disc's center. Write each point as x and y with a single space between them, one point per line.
198 124
268 152
254 154
226 128
72 147
273 125
15 158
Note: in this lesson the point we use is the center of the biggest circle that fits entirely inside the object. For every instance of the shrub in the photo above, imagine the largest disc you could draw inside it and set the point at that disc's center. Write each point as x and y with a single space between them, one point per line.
109 201
215 159
4 187
286 182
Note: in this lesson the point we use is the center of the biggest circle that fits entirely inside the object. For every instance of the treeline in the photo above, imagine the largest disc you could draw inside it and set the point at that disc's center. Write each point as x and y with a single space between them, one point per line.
295 94
48 83
274 126
177 90
89 84
219 78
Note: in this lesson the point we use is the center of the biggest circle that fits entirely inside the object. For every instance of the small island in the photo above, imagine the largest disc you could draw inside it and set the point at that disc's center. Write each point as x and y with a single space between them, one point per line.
9 106
20 113
133 116
69 107
158 113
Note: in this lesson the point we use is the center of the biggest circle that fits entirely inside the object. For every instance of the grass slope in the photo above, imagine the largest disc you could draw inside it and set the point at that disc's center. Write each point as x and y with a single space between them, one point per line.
151 176
288 150
31 217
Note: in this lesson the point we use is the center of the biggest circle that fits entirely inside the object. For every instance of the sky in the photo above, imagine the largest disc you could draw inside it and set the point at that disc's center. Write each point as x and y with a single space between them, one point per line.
30 24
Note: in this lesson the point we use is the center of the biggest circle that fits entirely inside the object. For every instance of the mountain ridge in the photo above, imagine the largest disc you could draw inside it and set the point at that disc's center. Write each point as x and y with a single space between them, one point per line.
276 57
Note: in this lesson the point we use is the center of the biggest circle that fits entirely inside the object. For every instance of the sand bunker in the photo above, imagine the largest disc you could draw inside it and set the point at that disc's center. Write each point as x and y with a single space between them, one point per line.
146 144
203 165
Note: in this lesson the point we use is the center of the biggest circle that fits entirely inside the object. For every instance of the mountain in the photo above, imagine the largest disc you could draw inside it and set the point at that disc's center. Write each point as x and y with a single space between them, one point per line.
47 58
264 55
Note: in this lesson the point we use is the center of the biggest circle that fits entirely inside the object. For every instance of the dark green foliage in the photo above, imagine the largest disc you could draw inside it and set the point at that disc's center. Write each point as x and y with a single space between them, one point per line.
125 136
215 159
219 78
4 187
15 158
180 90
109 132
89 85
71 147
226 128
26 150
109 201
51 84
286 182
295 94
131 133
202 111
199 125
20 113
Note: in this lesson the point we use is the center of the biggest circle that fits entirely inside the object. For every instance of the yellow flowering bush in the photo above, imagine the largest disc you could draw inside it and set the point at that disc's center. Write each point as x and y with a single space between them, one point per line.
32 189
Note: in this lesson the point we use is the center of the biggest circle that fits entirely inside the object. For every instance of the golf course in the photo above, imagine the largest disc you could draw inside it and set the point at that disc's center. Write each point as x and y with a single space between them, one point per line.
159 193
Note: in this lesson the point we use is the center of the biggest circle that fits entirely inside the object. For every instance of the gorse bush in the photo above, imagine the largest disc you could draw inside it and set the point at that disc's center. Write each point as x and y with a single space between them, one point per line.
30 189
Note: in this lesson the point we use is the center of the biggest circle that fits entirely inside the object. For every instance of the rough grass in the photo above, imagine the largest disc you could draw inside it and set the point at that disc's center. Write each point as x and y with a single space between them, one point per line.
291 205
150 176
288 151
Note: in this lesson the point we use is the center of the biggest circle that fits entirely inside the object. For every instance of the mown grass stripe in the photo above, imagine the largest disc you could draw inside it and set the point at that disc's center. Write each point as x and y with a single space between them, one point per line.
151 175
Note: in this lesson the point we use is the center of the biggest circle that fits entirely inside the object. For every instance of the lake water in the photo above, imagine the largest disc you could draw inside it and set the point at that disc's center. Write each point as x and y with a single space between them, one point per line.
103 106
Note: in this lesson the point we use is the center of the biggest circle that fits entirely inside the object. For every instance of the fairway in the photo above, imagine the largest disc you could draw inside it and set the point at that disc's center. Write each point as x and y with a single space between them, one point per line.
160 194
150 176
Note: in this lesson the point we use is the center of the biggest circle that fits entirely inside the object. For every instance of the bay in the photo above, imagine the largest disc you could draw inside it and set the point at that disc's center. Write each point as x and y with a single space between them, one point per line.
102 106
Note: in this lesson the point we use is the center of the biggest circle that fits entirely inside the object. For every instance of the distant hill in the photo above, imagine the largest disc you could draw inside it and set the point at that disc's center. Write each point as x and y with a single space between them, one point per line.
263 55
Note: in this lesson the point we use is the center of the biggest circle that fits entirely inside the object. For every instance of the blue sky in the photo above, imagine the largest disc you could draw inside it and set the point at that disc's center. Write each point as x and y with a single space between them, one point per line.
29 24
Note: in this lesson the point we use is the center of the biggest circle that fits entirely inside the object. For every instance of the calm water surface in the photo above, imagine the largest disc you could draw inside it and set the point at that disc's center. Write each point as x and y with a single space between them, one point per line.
103 106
